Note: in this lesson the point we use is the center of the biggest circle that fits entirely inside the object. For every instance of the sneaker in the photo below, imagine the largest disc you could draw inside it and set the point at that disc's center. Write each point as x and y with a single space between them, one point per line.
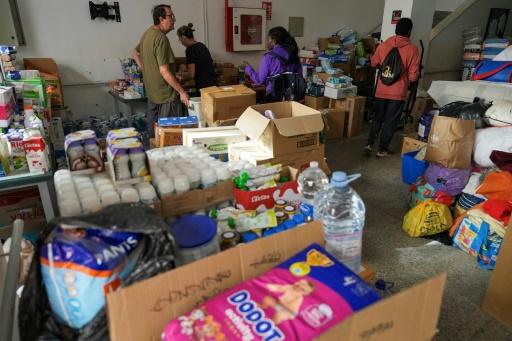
384 153
368 150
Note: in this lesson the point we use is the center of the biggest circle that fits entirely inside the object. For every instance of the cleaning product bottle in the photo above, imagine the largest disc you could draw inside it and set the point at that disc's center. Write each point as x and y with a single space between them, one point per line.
342 212
310 182
138 161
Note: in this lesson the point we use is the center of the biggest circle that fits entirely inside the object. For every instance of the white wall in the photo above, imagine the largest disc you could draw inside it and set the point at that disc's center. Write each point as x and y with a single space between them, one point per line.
448 5
445 55
87 51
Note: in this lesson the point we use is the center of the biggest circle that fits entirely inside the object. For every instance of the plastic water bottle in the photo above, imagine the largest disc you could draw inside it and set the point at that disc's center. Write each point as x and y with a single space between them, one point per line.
342 213
311 181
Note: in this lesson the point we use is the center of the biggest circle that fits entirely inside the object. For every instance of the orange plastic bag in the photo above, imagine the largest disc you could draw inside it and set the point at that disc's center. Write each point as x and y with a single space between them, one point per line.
497 185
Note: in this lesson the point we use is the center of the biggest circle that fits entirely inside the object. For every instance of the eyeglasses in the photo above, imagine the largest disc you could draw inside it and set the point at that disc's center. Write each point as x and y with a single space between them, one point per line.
171 16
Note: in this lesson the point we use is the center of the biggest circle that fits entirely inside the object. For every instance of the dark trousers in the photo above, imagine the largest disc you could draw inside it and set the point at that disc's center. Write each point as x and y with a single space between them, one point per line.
387 115
155 111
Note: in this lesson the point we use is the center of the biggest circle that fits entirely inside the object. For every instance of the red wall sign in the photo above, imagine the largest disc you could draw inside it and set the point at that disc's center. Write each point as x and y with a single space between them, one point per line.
396 16
267 6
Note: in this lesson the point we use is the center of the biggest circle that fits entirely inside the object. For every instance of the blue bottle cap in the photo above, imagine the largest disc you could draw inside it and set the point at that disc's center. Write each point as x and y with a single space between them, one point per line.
193 230
280 228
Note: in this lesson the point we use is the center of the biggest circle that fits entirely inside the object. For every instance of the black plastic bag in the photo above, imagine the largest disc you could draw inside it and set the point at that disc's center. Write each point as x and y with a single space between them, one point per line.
467 111
36 319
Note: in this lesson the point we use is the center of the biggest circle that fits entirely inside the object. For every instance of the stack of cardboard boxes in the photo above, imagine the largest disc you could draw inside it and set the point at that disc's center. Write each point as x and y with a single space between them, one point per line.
343 117
292 138
228 74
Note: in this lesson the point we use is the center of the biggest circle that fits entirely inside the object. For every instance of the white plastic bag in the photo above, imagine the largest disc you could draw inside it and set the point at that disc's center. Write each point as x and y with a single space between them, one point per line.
489 139
499 114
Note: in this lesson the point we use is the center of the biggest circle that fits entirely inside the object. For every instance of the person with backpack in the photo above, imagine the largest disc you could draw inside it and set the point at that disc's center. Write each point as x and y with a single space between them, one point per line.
280 69
399 68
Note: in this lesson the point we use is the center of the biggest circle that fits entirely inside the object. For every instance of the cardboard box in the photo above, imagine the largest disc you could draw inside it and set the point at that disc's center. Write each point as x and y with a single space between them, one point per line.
220 104
251 152
295 129
264 199
355 107
142 310
411 143
316 102
196 200
214 140
335 123
50 73
369 45
421 105
324 76
169 131
23 204
324 42
347 67
337 93
498 300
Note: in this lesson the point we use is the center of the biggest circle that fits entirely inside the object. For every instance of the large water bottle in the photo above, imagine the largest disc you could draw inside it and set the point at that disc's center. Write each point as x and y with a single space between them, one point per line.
342 212
311 181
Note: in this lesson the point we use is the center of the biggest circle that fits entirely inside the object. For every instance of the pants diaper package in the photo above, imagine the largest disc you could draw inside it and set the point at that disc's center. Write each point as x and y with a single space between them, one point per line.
298 300
79 266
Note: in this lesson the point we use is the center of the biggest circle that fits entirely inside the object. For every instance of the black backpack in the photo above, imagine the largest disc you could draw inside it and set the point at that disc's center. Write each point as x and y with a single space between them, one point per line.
391 68
286 86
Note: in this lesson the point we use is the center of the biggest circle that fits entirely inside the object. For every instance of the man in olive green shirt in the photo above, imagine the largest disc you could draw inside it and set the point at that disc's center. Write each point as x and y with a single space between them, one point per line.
156 59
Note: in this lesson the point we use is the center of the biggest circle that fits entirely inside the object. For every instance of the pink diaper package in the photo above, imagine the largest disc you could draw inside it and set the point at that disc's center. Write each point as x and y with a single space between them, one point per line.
298 300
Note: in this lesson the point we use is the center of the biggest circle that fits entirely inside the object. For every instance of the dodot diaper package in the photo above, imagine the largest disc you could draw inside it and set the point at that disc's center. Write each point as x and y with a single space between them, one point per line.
298 300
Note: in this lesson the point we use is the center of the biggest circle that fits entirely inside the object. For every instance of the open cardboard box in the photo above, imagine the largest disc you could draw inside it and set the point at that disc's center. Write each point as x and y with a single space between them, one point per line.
251 152
295 129
141 311
197 199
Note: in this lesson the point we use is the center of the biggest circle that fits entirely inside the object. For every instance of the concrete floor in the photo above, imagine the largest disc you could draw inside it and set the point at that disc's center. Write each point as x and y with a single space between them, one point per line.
405 261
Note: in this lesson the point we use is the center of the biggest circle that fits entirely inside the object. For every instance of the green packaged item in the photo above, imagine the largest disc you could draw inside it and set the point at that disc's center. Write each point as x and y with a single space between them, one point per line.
360 49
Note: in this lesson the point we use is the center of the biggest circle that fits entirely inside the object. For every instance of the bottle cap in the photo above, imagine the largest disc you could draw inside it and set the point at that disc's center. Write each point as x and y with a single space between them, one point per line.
313 164
340 179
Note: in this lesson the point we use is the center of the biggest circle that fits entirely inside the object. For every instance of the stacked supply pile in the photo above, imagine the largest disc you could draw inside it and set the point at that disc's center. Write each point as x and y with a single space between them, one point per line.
493 47
461 180
472 51
228 74
7 60
169 130
126 157
7 106
309 61
132 85
83 152
339 49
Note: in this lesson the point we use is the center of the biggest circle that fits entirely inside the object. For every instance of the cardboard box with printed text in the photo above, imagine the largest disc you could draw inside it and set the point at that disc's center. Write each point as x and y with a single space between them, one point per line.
142 310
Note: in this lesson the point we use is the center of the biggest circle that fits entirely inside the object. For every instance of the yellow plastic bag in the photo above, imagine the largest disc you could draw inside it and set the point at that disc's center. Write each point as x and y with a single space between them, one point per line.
427 218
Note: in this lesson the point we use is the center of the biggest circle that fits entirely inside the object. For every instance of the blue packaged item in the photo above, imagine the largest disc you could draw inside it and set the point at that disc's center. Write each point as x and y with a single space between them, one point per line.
424 125
249 236
177 121
412 169
289 224
493 71
80 265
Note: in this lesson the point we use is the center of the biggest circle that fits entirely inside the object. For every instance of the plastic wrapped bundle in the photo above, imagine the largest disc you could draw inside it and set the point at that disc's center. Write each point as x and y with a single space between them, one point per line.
118 246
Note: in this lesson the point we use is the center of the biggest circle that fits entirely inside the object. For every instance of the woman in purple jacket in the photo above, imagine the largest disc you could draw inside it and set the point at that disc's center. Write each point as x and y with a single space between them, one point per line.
283 56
